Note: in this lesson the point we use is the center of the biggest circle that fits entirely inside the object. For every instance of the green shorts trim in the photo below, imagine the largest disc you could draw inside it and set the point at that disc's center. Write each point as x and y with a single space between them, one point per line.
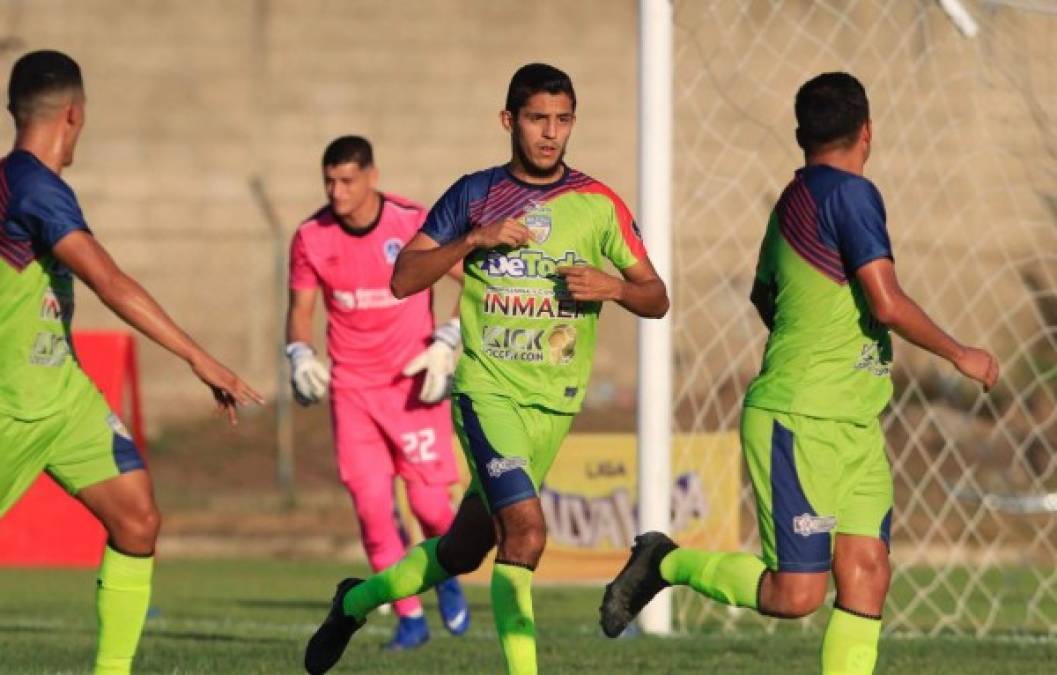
82 444
815 478
509 447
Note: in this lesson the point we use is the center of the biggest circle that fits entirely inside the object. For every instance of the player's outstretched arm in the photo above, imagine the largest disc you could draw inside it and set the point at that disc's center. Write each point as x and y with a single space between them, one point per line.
641 291
422 261
892 307
121 293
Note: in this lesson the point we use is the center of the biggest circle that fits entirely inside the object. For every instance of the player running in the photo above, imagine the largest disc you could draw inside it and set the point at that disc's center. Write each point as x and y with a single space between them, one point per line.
52 418
827 291
532 236
392 371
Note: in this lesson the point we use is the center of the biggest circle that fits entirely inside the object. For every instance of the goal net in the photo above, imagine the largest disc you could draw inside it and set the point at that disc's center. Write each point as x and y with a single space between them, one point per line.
965 154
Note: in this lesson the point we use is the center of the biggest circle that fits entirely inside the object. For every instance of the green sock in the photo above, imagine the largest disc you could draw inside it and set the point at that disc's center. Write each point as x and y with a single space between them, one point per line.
849 646
121 602
512 608
730 578
412 574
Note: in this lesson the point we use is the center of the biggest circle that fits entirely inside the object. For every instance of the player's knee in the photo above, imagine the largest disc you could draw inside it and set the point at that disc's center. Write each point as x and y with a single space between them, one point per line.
524 544
797 597
136 531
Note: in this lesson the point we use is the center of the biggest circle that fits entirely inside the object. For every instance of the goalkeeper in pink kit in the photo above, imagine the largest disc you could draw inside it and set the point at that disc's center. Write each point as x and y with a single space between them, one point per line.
392 370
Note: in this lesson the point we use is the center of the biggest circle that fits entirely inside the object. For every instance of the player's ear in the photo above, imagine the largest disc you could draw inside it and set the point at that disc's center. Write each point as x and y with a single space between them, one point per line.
867 132
372 176
506 118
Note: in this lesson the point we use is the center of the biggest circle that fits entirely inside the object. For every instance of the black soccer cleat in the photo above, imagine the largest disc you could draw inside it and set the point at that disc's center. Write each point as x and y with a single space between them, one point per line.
330 640
636 584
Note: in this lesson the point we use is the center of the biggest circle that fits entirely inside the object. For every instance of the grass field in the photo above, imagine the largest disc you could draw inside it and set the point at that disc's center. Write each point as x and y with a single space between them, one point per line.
254 616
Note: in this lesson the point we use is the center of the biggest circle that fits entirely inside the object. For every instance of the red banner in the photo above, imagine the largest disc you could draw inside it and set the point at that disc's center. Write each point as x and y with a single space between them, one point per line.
47 527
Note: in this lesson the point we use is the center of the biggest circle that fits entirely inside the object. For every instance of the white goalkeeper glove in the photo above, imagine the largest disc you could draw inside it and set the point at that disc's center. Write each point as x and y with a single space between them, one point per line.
438 360
309 377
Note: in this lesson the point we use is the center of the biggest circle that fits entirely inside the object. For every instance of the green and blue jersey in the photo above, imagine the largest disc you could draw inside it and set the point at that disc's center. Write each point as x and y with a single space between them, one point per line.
827 356
37 209
524 337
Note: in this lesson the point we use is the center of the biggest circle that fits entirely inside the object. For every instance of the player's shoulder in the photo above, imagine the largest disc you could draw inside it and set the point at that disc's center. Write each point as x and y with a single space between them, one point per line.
586 184
24 175
402 203
828 183
321 219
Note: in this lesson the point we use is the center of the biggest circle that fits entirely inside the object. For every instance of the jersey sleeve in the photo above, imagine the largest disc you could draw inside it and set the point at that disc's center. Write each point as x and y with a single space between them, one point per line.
303 275
449 218
48 211
860 224
621 239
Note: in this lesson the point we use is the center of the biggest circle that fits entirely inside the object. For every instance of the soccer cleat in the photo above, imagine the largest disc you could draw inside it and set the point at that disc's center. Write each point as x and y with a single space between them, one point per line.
636 584
454 609
331 638
411 632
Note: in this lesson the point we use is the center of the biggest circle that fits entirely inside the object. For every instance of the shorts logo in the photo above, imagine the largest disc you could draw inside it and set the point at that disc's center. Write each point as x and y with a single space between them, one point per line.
538 221
497 466
806 524
872 362
391 249
117 426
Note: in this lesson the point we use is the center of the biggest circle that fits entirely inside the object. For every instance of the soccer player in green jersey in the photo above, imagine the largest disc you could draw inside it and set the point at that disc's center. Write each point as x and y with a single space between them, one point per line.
52 418
532 236
827 291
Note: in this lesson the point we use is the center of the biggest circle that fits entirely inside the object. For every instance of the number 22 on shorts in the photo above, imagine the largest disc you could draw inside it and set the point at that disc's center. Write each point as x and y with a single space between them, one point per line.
418 445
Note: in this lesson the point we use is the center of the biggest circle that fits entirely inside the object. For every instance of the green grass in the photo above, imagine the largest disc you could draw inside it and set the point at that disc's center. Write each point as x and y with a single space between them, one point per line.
254 616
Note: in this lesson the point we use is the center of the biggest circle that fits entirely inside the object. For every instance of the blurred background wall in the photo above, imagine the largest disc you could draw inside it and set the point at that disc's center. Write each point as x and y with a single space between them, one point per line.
188 101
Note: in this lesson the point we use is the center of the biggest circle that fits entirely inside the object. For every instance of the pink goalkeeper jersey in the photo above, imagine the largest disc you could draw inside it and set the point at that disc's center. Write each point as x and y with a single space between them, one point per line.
371 335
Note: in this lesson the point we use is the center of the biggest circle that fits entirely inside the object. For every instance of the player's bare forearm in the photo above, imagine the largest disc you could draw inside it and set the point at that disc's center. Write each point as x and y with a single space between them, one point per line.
125 297
648 299
641 291
299 316
422 262
892 307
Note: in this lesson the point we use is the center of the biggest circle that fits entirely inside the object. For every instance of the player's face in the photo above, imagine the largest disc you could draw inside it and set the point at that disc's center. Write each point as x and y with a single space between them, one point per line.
540 132
349 187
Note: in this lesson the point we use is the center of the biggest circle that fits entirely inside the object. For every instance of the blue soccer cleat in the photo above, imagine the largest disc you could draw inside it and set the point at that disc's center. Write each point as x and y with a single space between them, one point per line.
411 632
454 609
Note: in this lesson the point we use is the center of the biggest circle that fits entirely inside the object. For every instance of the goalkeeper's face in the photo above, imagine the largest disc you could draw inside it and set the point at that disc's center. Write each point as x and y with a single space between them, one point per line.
540 132
349 188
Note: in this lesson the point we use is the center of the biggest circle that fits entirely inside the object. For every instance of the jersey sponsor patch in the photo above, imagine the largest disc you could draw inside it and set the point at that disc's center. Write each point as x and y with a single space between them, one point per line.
366 298
528 264
872 362
532 303
49 350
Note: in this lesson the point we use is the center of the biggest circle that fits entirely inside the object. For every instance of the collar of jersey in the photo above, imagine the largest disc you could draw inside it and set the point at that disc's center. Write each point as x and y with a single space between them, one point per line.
538 186
367 230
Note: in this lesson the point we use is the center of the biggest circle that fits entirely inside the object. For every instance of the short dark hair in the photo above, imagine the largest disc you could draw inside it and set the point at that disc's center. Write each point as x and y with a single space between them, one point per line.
349 149
830 108
534 78
38 74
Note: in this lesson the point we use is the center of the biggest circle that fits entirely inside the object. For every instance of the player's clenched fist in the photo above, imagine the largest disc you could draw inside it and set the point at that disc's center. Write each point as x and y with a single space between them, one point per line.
505 233
979 365
588 283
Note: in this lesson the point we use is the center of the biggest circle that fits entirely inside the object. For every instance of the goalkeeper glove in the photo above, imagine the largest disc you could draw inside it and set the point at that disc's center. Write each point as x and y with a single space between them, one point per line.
438 360
309 377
